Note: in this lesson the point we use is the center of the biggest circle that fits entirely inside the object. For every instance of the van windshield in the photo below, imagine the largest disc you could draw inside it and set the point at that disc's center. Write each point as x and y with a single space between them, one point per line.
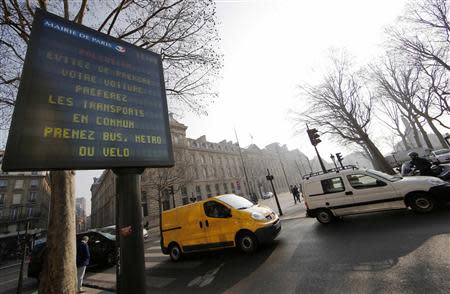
235 201
384 175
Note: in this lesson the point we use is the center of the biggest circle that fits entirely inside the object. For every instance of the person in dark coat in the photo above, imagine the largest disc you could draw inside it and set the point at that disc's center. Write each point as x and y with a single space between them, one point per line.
83 256
296 193
421 164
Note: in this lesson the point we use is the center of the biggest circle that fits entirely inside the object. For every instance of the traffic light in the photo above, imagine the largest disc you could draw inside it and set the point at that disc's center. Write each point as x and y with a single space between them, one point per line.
314 137
339 158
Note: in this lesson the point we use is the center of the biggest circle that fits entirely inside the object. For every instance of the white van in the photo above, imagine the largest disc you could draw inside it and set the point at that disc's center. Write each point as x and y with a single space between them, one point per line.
353 191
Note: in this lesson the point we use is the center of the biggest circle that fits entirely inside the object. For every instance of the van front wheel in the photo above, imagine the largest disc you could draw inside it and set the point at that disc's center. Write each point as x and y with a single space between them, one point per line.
422 203
175 252
247 242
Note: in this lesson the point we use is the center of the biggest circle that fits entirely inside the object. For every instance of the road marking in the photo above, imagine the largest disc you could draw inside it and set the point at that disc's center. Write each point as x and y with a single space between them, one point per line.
206 279
150 264
9 281
158 282
167 264
11 265
157 241
153 248
158 254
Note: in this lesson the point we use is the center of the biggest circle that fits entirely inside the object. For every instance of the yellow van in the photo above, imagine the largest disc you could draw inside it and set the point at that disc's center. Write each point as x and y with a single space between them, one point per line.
218 222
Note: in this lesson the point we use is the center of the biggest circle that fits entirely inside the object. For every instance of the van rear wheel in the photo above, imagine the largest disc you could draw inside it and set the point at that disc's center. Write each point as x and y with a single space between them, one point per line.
175 252
247 242
324 216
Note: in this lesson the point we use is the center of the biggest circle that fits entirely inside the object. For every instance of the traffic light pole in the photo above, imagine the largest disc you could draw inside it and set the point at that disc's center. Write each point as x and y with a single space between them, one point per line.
320 160
131 277
269 177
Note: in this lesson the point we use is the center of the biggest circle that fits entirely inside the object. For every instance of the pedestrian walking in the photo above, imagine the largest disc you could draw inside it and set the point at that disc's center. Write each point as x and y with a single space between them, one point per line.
83 256
293 193
296 194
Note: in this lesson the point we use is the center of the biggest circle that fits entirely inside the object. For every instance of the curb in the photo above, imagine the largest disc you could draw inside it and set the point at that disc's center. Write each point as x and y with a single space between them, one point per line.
92 286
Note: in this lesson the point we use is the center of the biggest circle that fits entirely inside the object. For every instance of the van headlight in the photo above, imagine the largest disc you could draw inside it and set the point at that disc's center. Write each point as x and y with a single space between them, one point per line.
436 181
258 216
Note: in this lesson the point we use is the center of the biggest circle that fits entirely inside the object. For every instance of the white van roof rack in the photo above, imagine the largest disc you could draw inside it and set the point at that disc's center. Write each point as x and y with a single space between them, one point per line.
331 170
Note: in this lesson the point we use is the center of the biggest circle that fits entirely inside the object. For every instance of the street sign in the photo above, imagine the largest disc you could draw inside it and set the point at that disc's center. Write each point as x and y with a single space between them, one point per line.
87 101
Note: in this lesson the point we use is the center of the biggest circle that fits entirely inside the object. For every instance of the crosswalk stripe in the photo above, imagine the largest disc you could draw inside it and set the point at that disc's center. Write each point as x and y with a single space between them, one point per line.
172 265
158 254
158 282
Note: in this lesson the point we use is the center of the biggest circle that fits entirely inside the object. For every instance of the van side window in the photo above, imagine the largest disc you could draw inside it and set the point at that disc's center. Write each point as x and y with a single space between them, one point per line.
214 209
332 185
360 181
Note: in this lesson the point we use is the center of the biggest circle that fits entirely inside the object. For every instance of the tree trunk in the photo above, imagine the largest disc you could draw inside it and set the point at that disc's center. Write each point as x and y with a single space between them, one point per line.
404 141
378 160
412 124
59 274
424 134
436 132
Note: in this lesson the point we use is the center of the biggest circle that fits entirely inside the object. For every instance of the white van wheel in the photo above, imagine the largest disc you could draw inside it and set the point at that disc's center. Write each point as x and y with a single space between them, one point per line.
247 242
324 216
422 203
175 252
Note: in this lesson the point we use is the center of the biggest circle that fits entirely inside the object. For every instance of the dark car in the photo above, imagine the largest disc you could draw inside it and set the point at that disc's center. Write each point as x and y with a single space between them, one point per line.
102 247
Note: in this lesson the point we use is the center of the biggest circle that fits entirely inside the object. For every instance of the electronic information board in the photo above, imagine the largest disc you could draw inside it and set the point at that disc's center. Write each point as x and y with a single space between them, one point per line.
87 101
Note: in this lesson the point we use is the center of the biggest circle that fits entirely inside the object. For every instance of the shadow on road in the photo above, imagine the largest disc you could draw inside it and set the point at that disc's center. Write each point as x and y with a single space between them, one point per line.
199 272
373 242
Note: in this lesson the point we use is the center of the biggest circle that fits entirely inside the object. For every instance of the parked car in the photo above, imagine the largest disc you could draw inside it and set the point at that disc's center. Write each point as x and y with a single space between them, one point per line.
102 247
441 155
218 222
267 195
354 191
112 230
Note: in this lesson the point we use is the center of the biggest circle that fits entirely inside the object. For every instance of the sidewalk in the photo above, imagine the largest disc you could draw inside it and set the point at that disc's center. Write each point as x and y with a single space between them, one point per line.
289 209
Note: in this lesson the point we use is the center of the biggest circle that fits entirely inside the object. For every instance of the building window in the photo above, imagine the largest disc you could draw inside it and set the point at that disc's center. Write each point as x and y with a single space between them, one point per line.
30 211
2 198
32 197
3 183
225 188
144 203
14 214
18 184
205 173
34 183
232 188
217 189
208 191
17 198
184 195
198 192
165 200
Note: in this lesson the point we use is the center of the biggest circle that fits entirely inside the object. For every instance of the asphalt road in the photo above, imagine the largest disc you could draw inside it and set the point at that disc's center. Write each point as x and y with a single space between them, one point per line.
389 252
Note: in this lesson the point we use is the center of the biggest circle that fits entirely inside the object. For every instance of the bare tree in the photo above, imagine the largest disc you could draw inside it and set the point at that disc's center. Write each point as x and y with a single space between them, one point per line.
400 83
423 32
341 106
182 31
392 119
422 35
163 181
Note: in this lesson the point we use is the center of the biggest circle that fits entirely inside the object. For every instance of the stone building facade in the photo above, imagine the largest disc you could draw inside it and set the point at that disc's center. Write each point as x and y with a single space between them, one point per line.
24 197
208 169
